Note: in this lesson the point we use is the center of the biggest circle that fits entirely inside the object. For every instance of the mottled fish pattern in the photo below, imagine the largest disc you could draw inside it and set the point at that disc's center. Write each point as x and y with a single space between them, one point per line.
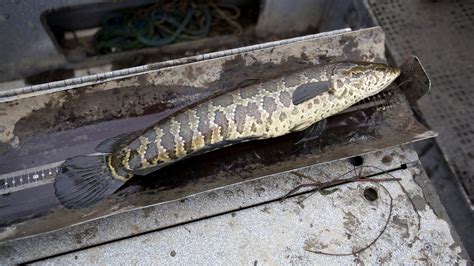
265 110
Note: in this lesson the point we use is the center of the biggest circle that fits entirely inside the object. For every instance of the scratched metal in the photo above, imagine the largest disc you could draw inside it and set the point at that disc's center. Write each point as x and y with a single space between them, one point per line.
51 127
286 233
260 228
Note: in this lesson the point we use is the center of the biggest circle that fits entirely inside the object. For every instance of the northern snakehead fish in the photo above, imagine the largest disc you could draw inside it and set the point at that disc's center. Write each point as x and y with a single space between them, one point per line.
265 110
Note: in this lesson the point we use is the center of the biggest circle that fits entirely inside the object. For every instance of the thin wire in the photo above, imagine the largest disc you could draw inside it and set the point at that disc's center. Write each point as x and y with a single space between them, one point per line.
357 178
368 245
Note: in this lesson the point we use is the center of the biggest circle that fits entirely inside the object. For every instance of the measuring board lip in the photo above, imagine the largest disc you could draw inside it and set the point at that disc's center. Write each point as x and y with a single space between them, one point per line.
28 178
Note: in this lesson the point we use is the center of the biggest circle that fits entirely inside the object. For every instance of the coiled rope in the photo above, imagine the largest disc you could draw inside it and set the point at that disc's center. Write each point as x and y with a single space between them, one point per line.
163 23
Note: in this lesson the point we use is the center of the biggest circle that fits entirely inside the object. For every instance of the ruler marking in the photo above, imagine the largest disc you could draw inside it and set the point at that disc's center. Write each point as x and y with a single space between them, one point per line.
28 178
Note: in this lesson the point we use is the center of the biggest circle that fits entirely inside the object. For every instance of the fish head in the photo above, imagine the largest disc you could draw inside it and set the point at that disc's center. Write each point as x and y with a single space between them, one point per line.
361 79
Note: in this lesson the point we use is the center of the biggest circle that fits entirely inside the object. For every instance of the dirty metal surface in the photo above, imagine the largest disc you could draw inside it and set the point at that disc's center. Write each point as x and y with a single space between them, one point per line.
416 82
440 33
403 223
48 128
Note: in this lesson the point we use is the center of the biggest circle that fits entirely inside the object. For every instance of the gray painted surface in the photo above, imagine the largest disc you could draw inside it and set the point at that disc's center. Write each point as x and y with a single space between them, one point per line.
284 17
27 43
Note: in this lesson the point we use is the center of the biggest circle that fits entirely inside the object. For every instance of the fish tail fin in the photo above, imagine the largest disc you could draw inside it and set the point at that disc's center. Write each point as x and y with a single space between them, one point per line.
84 181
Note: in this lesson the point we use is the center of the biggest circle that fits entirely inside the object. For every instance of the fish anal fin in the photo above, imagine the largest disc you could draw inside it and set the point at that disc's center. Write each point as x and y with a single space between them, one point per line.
209 148
148 170
221 145
301 127
314 131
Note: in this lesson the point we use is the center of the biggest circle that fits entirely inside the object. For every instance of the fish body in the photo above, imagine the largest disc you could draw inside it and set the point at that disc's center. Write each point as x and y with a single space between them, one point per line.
266 110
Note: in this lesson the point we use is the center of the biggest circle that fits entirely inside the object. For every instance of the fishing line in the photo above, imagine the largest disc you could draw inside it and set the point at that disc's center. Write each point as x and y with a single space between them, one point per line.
357 178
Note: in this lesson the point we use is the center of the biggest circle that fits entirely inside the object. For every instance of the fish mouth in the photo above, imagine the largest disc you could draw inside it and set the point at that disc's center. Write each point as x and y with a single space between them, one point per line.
396 72
393 74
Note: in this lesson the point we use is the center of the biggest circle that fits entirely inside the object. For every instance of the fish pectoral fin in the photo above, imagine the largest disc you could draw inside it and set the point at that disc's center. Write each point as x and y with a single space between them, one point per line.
314 131
117 142
308 91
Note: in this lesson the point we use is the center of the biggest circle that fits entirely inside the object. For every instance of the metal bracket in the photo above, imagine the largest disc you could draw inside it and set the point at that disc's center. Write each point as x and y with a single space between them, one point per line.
414 80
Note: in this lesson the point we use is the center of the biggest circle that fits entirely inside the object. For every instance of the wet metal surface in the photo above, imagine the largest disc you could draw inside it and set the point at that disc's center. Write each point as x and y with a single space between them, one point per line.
51 127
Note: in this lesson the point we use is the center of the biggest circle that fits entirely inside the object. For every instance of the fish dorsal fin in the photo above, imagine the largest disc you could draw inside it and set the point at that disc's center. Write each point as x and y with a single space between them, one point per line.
117 142
244 83
308 91
120 141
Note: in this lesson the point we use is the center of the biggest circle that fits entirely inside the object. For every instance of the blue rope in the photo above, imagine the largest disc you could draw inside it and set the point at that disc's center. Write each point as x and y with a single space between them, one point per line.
129 30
